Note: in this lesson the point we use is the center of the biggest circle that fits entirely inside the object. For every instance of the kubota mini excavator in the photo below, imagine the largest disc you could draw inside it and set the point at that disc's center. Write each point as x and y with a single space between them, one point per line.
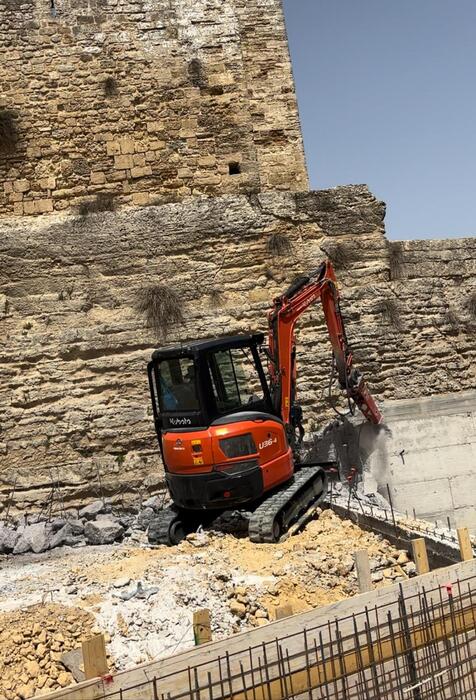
229 437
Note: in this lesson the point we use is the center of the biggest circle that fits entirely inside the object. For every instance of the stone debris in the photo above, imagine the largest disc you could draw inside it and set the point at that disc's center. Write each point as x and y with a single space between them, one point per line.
33 642
94 524
8 539
90 511
103 531
143 598
138 592
35 538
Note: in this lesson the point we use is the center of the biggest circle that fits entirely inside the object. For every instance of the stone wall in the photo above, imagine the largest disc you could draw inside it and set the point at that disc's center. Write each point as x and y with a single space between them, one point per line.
74 347
145 101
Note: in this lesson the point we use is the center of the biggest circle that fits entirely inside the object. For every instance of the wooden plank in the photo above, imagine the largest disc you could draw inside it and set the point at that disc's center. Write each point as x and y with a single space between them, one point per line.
362 565
202 629
94 657
386 598
420 556
465 546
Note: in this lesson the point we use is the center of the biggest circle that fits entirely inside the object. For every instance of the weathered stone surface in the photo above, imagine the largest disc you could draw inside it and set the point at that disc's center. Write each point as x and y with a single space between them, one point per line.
103 532
74 388
34 538
199 98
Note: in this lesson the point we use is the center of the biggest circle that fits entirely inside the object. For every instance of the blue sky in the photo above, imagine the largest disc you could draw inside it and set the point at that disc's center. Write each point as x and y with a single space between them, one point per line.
387 97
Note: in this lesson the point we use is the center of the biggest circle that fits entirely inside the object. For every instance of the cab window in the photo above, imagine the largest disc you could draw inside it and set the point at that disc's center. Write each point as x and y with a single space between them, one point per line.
235 379
177 386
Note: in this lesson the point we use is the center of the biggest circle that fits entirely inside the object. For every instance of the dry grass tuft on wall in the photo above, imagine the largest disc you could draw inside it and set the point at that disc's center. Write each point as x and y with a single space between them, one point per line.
395 259
341 255
161 306
216 297
196 73
471 305
8 131
279 245
452 321
389 309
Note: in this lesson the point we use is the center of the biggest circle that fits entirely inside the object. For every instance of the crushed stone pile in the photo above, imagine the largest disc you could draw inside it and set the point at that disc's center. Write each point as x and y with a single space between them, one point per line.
143 597
33 641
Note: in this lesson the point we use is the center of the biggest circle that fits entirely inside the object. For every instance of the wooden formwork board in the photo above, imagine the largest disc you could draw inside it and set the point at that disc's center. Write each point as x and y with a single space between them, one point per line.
173 671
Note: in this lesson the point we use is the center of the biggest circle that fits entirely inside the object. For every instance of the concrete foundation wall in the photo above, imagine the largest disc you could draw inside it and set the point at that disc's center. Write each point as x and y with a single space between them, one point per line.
427 456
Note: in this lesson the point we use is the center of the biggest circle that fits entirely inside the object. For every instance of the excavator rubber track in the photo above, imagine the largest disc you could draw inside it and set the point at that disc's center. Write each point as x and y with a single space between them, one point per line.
278 512
169 527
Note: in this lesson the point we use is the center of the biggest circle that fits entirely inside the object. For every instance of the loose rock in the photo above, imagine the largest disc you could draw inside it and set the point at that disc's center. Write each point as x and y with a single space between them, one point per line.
92 510
103 532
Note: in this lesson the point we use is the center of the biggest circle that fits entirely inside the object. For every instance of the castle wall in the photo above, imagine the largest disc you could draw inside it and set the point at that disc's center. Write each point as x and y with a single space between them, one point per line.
146 101
74 346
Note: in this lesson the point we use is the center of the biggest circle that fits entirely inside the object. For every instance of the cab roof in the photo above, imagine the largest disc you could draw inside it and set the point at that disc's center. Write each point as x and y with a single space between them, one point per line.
196 347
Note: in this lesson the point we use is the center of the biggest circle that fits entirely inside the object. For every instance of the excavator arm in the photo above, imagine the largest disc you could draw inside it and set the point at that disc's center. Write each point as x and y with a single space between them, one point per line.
320 284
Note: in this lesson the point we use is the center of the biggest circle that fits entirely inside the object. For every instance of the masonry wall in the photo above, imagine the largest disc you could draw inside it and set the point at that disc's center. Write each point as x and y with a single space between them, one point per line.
74 347
145 100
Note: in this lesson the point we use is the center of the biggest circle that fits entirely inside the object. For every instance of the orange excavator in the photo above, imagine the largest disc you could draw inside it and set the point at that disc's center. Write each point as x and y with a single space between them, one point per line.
229 435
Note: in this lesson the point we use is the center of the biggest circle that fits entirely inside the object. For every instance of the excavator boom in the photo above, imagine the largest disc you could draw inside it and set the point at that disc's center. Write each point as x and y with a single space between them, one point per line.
287 308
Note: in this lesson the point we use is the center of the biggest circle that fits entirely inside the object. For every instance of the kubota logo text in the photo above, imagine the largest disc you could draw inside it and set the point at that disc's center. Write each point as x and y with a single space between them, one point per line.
180 421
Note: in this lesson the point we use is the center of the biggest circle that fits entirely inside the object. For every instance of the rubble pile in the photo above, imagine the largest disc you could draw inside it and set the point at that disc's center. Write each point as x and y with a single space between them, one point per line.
95 524
143 598
32 644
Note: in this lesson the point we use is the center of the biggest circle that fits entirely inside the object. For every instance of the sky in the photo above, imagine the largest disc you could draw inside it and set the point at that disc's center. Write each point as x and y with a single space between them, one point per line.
387 97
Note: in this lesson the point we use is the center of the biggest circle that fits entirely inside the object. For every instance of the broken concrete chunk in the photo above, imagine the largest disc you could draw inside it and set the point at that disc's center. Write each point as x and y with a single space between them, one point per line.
153 502
138 592
65 536
92 510
103 532
72 660
58 523
77 526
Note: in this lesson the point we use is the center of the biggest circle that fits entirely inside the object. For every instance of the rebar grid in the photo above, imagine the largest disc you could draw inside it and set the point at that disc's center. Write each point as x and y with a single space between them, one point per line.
422 648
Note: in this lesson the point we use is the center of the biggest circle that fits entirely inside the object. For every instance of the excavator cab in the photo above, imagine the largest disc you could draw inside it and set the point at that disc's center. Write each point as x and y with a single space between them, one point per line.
196 384
222 441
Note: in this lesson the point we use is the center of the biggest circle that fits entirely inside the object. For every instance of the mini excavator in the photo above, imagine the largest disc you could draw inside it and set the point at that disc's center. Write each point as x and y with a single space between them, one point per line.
229 435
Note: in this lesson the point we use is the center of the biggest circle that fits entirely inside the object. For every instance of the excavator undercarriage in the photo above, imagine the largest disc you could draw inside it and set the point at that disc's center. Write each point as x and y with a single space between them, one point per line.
270 518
